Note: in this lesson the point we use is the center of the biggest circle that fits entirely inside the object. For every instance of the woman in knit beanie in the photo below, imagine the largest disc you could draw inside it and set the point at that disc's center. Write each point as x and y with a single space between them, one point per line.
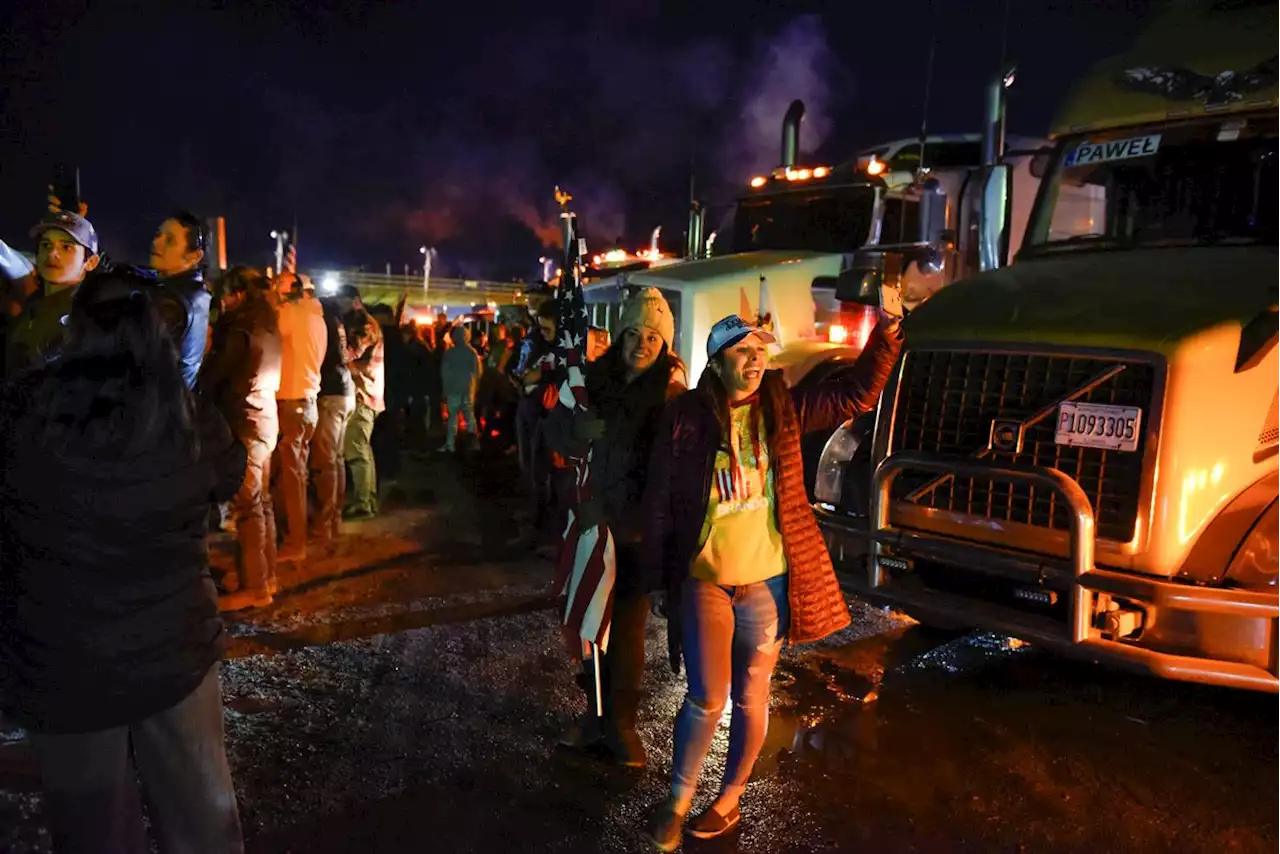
628 386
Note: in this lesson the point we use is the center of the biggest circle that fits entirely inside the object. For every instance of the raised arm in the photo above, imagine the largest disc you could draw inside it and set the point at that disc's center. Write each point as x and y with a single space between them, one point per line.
827 405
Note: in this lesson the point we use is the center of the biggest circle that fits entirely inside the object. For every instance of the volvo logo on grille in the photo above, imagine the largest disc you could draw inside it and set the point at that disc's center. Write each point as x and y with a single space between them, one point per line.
1006 436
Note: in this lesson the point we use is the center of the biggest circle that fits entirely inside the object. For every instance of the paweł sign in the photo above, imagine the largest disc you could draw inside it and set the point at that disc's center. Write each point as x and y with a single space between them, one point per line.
1114 149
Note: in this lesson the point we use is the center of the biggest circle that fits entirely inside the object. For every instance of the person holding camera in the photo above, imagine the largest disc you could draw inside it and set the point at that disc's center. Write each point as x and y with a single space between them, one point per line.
66 252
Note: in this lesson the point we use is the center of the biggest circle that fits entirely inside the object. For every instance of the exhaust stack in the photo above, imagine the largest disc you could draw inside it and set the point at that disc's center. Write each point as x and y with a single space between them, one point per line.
791 133
697 224
993 120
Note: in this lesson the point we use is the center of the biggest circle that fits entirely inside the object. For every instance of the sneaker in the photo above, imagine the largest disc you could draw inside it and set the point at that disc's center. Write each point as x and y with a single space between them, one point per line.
445 449
664 827
356 514
244 599
709 824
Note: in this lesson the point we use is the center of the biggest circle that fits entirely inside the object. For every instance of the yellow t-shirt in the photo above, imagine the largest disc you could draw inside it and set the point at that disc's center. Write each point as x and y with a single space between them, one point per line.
741 543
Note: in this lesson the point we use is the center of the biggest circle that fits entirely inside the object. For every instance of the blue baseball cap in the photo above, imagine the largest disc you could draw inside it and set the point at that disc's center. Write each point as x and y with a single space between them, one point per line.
731 330
73 224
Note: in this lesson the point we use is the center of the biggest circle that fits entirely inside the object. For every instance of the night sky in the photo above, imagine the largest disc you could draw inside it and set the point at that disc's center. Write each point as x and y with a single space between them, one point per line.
381 126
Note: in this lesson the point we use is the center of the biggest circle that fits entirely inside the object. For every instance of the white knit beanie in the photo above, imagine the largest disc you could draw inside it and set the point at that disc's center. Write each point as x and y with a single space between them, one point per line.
647 309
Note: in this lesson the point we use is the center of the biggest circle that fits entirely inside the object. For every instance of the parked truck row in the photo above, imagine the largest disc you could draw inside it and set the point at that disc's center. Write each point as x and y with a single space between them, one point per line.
1080 449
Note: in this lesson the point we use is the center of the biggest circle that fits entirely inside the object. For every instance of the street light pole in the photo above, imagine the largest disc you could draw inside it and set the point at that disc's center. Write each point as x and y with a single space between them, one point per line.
280 238
426 252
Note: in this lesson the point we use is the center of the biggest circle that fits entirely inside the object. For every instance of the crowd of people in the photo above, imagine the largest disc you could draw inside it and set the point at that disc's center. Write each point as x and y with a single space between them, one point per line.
135 401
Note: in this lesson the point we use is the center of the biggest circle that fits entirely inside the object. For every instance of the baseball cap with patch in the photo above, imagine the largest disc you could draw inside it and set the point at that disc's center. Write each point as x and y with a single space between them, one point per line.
731 330
77 226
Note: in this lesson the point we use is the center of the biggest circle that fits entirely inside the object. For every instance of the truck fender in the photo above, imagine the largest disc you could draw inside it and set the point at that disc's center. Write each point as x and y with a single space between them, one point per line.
1217 547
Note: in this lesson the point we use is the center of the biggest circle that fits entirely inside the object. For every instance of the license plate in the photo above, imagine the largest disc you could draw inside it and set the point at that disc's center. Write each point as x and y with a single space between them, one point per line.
1095 425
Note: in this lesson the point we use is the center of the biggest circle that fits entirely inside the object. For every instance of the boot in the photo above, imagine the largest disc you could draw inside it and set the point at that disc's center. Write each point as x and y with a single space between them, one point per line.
620 735
588 730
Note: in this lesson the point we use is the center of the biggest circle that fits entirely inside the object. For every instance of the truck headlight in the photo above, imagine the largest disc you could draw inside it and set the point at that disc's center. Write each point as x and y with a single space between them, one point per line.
840 448
1256 561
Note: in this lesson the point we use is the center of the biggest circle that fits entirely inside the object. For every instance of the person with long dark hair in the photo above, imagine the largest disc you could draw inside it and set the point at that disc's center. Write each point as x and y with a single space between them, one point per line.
627 388
109 630
732 537
241 377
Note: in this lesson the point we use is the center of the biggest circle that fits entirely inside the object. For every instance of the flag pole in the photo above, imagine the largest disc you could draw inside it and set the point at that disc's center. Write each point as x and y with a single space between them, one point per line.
595 657
569 278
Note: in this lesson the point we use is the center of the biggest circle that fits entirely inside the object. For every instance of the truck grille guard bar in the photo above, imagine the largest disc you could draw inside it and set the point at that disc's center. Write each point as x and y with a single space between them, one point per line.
1082 530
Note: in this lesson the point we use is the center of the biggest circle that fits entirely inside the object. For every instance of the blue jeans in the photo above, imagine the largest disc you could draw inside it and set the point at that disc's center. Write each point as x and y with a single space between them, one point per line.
731 637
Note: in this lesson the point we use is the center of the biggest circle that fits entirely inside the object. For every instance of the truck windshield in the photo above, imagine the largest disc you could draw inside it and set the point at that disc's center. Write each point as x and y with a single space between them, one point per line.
833 219
1200 182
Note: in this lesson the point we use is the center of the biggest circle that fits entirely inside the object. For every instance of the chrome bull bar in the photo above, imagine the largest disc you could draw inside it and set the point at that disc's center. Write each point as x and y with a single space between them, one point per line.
1082 532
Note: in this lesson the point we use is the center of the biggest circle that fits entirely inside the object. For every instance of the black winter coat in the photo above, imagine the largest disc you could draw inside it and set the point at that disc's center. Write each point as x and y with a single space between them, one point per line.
183 302
107 611
619 459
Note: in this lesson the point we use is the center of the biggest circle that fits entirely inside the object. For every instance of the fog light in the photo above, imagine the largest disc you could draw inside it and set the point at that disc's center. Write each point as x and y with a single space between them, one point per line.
1047 598
894 564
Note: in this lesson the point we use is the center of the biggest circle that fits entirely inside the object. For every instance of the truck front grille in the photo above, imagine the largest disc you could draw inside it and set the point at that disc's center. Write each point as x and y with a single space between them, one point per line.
948 399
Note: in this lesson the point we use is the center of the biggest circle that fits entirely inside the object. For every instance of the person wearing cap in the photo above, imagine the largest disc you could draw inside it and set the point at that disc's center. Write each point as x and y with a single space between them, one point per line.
366 359
732 540
66 252
627 388
241 377
177 256
303 339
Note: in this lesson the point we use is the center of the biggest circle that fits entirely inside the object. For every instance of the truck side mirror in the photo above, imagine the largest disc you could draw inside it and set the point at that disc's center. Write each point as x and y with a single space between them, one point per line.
995 206
933 212
859 286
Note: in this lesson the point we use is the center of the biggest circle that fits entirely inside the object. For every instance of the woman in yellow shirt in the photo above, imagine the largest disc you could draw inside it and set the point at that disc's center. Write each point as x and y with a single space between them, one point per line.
734 541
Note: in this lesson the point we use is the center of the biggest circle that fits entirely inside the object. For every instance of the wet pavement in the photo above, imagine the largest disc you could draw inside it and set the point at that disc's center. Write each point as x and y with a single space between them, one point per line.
406 692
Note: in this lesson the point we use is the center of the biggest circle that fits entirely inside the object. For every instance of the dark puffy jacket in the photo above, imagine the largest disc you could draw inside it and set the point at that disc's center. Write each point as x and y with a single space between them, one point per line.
335 376
620 458
679 487
183 303
107 611
242 374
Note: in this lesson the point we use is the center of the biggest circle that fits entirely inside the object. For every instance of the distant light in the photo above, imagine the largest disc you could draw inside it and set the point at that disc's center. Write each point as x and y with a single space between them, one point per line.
759 181
821 172
837 334
875 167
330 283
804 174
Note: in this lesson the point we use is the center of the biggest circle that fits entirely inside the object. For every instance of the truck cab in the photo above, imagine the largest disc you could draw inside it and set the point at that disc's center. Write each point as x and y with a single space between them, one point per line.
1080 449
797 230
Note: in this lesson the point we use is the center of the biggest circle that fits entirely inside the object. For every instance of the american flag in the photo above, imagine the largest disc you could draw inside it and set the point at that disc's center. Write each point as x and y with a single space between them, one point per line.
586 565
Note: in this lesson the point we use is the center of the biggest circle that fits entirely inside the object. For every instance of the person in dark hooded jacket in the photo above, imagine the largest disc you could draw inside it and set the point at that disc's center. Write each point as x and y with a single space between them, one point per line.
109 630
627 388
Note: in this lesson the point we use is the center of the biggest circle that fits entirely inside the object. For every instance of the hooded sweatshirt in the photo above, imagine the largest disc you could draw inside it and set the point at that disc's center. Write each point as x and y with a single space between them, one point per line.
460 367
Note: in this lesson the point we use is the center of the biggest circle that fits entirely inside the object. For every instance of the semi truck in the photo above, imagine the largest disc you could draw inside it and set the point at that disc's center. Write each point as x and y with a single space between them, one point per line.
1080 449
797 230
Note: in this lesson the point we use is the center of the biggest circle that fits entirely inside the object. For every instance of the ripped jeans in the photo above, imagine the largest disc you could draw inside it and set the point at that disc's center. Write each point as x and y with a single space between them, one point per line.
731 638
